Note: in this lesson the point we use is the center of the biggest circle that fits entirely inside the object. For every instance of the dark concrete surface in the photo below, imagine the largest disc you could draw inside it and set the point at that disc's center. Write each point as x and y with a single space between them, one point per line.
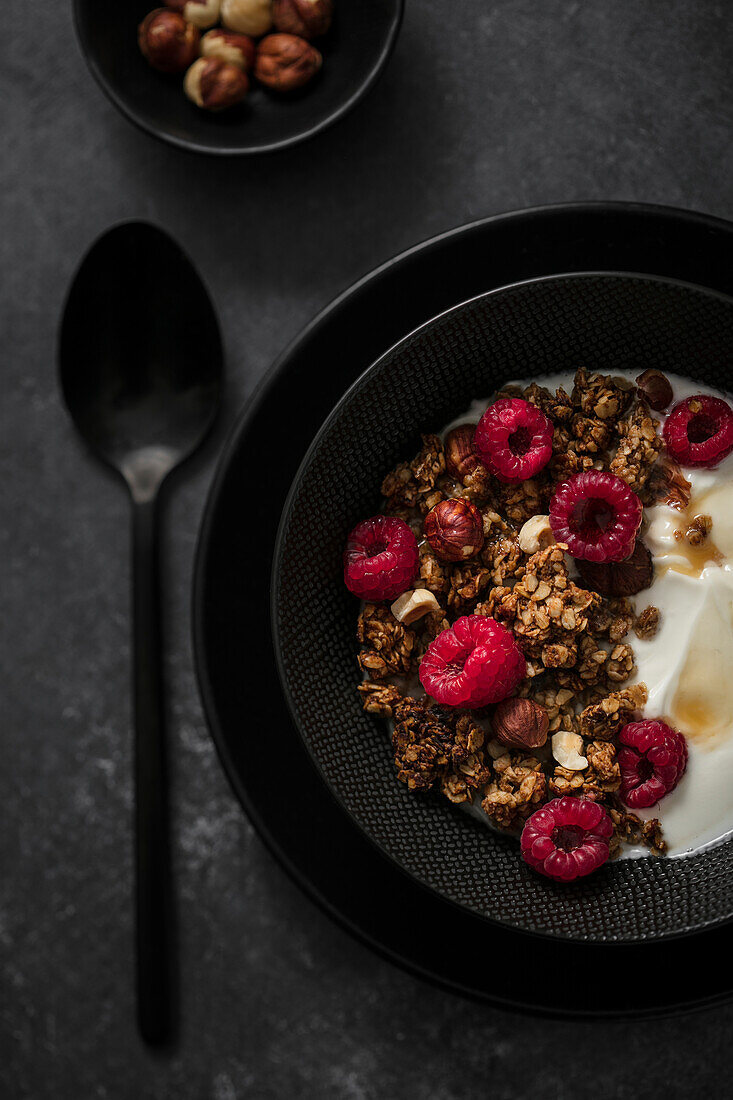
486 106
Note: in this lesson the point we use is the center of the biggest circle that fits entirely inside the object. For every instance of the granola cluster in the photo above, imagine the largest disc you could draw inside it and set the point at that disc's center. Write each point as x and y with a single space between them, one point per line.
435 748
388 646
548 613
519 787
413 486
580 663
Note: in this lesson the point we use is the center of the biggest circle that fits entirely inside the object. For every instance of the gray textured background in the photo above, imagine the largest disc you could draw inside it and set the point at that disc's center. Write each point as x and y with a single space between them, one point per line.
485 107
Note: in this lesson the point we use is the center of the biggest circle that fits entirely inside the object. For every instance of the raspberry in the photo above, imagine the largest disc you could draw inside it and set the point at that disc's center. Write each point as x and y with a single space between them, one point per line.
652 759
567 838
596 515
513 439
380 559
474 663
699 431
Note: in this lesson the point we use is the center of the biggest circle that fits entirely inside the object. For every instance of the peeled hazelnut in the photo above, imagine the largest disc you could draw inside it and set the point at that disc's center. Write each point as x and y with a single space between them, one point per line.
202 13
536 534
411 606
247 16
619 578
455 530
495 749
285 62
235 49
520 724
306 18
460 457
167 41
214 84
567 749
655 388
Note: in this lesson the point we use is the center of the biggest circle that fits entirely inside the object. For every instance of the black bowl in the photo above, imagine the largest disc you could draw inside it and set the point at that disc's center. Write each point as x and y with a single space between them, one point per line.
605 322
355 51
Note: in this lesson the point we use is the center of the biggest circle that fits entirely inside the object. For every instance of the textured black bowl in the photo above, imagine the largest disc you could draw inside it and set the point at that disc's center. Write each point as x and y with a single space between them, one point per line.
355 51
606 322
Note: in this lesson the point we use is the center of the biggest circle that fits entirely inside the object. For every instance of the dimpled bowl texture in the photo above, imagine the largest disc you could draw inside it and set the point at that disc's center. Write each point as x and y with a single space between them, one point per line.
355 52
603 322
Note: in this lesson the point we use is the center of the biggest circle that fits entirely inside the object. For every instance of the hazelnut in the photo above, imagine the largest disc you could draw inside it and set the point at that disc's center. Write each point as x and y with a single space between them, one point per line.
655 388
619 578
236 49
285 62
460 457
202 13
247 16
306 18
495 749
214 84
455 530
567 749
536 534
520 724
411 606
167 41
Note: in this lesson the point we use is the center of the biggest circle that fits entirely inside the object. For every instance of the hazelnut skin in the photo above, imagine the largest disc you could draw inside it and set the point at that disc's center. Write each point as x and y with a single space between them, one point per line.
306 18
455 530
202 13
247 16
167 41
215 85
619 578
236 49
285 62
520 724
460 457
655 388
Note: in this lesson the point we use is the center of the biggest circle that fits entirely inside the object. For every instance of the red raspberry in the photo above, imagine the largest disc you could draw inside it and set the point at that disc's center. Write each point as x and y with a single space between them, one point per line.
380 559
513 439
567 838
699 431
652 759
475 662
596 515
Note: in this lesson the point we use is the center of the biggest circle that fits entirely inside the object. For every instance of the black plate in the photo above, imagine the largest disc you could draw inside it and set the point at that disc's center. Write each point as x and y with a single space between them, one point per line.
543 326
355 52
300 821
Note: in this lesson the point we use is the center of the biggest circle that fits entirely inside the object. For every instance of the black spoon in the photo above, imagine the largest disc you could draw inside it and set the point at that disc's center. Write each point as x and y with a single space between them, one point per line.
141 365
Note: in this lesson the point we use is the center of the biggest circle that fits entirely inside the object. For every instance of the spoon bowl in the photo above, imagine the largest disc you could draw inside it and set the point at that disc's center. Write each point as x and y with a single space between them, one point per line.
140 353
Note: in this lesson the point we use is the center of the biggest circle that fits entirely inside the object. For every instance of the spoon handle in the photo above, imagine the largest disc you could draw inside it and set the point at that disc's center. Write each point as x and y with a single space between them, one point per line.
152 855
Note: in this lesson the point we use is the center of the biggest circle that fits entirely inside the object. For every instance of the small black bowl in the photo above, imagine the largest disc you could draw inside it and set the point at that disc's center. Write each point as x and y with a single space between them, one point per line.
355 52
605 322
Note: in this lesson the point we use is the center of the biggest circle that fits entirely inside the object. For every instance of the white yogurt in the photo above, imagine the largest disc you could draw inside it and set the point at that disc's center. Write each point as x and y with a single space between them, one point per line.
688 665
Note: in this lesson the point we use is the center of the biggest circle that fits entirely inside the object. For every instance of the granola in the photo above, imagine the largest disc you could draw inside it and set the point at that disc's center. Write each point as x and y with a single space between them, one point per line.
602 721
466 583
388 645
646 624
433 747
379 698
519 788
601 396
546 610
631 829
638 449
